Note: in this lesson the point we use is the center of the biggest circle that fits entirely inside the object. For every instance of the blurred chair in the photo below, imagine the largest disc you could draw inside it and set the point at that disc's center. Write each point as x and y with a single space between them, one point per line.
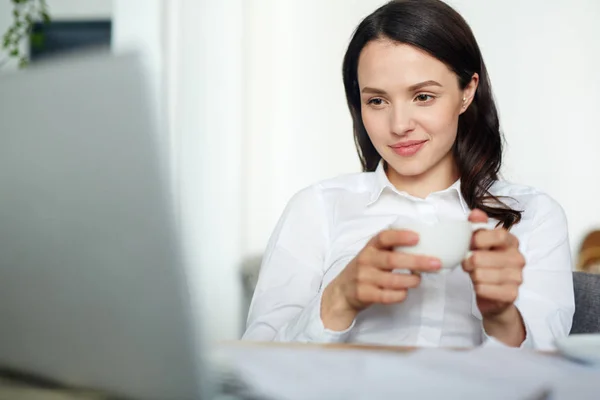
249 275
589 254
587 303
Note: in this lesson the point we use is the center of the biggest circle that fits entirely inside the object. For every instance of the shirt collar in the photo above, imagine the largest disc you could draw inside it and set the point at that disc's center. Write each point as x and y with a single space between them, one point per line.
381 183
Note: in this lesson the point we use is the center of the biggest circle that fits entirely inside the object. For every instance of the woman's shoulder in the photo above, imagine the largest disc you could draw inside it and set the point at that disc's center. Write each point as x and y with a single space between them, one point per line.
353 183
505 188
324 195
533 202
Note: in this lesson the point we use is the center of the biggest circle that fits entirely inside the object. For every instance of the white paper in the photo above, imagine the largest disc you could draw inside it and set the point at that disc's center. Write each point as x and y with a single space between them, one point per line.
305 373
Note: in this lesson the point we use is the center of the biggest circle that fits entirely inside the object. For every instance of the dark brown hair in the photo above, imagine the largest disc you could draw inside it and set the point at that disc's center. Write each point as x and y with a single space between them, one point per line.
433 26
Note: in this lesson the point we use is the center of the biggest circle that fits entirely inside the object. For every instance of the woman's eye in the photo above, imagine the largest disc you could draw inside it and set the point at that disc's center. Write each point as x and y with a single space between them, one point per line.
423 98
376 102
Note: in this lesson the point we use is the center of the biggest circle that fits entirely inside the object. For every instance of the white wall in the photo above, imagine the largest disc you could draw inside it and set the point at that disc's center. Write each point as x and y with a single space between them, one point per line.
543 59
138 25
80 9
205 82
194 51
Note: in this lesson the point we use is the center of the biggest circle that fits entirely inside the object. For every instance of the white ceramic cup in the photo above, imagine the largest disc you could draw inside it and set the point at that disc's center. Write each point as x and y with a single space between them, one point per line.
447 240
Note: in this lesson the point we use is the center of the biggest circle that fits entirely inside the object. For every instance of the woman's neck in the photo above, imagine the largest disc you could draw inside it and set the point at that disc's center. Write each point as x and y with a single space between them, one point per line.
439 177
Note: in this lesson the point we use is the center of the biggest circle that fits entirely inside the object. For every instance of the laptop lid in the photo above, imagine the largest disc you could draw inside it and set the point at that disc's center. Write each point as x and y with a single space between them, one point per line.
92 282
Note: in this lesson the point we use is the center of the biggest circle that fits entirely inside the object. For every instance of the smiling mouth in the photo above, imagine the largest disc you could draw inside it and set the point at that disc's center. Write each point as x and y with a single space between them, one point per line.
409 148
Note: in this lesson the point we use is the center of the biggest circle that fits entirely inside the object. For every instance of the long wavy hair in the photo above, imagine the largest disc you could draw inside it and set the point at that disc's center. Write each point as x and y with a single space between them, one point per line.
433 26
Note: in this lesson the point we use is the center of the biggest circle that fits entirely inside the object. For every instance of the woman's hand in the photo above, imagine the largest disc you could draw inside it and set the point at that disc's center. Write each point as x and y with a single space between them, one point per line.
496 269
369 278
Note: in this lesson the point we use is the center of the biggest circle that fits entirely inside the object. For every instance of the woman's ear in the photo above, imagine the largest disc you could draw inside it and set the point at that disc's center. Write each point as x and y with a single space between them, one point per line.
469 93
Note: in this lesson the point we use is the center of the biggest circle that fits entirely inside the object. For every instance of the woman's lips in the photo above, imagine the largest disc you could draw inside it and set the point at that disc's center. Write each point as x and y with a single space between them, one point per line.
408 148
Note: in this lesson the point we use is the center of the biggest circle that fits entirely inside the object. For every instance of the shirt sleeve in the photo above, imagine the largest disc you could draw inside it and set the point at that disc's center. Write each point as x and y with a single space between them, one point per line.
546 300
286 305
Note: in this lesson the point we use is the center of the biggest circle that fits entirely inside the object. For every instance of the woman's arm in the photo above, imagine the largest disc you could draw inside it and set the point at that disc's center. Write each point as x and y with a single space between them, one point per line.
287 299
545 300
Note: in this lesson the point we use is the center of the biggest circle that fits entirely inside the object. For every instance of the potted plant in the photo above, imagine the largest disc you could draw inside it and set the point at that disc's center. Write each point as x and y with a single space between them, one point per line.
25 14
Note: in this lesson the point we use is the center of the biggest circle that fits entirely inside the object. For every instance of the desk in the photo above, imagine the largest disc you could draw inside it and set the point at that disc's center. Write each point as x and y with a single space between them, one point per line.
360 369
327 346
353 346
350 371
28 388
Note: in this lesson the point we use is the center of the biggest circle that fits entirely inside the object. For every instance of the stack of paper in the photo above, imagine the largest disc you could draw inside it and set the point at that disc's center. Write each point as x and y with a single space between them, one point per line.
304 373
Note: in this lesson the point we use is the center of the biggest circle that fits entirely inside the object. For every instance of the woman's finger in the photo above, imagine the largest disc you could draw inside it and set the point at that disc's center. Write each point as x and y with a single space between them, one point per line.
370 294
389 260
497 276
478 215
495 259
391 281
496 238
389 239
484 259
505 293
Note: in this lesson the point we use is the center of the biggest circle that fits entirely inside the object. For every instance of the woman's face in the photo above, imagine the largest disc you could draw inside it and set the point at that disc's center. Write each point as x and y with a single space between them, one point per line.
410 104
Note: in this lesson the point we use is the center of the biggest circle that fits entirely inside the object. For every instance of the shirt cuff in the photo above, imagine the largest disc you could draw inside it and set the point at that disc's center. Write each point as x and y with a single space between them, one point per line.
490 341
315 331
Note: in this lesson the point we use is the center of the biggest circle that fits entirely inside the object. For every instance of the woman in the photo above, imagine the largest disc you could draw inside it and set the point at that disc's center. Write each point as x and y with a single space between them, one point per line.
427 133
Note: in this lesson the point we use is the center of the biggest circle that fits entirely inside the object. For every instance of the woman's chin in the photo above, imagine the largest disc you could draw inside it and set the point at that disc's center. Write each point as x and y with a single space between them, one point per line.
409 170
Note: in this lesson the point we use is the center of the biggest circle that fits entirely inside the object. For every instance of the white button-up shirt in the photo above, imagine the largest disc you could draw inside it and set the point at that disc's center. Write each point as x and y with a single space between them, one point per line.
325 226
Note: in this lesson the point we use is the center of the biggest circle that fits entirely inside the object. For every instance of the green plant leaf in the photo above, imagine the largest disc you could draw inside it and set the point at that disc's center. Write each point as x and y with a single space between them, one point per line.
24 15
17 37
23 61
37 40
6 39
46 17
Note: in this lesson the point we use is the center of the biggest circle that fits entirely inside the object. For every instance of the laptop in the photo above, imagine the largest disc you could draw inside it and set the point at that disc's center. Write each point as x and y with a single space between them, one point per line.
92 278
